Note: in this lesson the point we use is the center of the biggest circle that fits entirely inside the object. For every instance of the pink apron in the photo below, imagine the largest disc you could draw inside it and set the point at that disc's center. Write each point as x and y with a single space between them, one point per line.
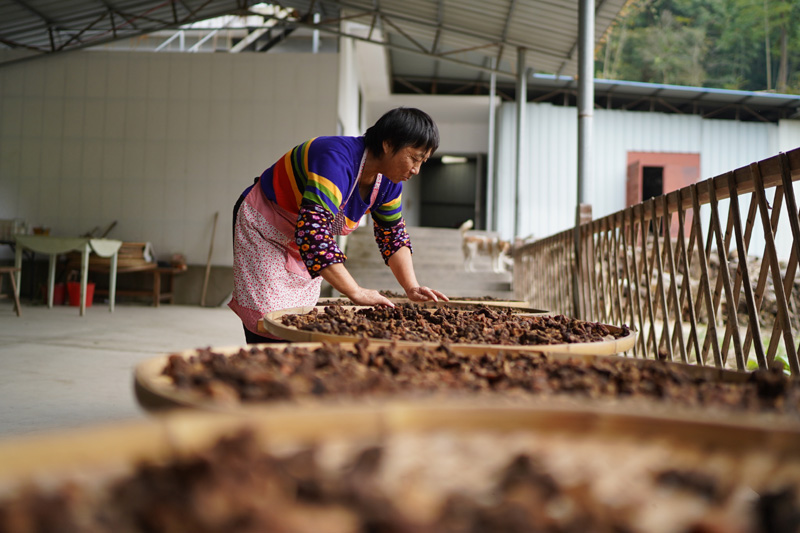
268 273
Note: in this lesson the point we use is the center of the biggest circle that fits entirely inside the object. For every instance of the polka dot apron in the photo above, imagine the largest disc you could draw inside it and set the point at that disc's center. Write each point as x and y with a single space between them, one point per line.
268 273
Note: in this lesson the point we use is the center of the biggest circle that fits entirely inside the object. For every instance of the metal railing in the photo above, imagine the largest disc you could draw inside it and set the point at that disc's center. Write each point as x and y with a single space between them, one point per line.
654 267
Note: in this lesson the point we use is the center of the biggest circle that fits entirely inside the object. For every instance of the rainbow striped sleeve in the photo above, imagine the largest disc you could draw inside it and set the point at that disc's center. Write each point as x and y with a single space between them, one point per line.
390 211
302 175
327 175
289 178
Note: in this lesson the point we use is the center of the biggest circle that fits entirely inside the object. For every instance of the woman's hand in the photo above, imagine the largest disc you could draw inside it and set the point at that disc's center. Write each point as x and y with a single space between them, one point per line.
369 297
424 294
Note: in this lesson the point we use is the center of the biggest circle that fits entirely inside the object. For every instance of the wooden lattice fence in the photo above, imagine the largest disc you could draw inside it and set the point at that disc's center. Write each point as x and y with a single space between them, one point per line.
660 267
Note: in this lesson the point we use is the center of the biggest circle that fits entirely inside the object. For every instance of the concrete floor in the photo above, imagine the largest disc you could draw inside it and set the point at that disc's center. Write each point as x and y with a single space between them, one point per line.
61 370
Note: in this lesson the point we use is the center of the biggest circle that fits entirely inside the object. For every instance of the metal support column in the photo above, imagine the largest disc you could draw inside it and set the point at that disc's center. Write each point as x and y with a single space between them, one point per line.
585 100
315 36
585 140
491 224
522 97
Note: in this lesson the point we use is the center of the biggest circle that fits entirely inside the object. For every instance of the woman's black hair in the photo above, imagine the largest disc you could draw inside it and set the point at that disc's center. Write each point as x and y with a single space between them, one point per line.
401 127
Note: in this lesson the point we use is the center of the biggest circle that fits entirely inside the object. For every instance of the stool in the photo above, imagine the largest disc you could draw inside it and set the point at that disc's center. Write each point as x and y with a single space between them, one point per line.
11 271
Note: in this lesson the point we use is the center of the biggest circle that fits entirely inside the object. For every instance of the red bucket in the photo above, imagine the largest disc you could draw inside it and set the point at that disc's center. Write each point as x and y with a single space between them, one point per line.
74 290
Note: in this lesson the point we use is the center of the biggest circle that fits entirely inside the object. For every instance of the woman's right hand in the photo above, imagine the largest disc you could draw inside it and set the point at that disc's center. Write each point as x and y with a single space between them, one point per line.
369 297
341 280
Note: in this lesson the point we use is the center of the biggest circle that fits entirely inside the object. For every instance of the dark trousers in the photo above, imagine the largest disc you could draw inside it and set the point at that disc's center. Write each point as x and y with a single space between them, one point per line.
255 338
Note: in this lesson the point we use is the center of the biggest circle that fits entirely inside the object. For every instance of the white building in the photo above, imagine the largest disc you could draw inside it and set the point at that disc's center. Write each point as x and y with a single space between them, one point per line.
681 147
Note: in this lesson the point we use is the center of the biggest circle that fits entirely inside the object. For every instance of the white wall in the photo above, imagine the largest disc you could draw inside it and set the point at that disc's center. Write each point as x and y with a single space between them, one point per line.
788 135
157 142
549 166
548 189
348 101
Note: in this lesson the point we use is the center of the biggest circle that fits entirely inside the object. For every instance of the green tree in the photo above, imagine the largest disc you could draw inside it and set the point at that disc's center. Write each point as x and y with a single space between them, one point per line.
736 44
653 42
673 53
768 26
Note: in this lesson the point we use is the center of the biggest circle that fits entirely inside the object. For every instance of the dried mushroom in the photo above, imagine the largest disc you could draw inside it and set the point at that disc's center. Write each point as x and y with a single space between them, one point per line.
483 325
260 374
440 482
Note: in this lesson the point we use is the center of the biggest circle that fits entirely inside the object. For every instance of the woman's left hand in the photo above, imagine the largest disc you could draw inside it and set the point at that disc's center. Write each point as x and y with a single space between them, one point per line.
424 294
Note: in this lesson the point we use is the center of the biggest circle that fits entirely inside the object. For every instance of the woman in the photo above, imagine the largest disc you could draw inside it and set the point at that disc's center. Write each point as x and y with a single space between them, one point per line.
283 225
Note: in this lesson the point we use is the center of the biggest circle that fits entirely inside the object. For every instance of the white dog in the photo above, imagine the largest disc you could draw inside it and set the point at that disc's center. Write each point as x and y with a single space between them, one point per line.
475 243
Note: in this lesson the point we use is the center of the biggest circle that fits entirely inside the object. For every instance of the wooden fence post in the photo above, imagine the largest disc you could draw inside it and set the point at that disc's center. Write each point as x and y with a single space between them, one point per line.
583 215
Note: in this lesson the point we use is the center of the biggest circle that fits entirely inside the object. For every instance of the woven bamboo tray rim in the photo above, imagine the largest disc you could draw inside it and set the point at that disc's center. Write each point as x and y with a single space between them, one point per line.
156 392
271 324
460 303
112 447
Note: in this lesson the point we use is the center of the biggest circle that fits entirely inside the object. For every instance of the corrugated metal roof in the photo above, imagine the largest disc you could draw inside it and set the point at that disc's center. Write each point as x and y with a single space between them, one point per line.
50 26
681 99
548 30
464 33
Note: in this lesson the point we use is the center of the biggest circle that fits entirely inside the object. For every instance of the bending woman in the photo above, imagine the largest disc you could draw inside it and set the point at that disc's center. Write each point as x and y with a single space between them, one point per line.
284 224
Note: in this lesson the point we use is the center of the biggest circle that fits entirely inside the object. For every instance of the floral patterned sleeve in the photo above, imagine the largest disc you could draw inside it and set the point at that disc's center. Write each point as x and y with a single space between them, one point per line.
313 236
391 238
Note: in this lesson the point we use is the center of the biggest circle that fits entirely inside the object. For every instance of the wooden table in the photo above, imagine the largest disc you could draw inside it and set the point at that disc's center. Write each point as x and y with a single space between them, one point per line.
53 246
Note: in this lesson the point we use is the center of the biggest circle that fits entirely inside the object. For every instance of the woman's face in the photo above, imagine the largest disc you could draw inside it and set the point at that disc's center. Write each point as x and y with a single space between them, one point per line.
401 165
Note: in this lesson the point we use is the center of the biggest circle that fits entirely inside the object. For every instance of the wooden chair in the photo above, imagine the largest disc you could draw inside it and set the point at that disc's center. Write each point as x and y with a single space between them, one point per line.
10 270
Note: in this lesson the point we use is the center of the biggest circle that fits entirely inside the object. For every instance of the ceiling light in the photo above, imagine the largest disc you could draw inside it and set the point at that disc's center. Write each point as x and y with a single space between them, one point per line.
450 159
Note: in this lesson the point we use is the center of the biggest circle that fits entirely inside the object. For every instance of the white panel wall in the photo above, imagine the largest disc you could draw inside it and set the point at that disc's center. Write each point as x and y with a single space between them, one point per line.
548 188
788 135
157 142
348 101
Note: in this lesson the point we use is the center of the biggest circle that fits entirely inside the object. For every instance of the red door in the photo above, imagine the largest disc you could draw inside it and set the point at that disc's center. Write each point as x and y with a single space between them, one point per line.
633 185
679 170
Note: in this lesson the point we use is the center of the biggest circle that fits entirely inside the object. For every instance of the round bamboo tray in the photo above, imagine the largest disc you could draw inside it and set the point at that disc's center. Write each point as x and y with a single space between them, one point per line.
156 392
600 462
458 303
271 324
179 432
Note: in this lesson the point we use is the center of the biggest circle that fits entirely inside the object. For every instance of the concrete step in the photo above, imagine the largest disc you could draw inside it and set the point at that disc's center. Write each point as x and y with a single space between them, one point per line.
368 251
439 276
463 283
438 263
429 244
459 290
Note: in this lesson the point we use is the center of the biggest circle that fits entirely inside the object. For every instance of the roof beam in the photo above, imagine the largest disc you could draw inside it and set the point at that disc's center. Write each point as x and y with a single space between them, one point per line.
403 33
456 31
249 39
439 20
410 86
108 36
402 48
435 45
462 50
36 12
13 44
504 34
268 25
668 106
48 22
77 36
